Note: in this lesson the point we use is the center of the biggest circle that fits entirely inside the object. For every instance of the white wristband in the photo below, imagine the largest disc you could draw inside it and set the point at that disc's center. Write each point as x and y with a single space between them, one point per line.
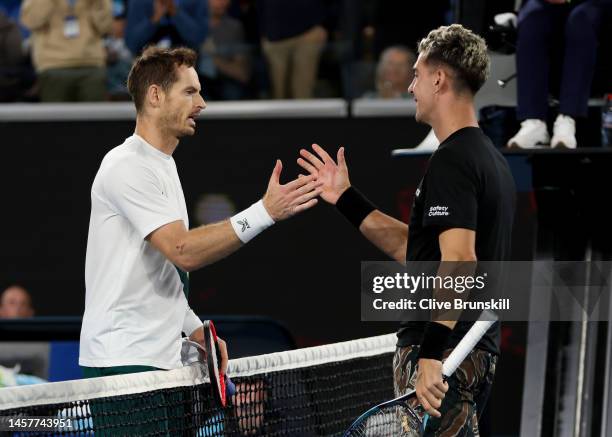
252 221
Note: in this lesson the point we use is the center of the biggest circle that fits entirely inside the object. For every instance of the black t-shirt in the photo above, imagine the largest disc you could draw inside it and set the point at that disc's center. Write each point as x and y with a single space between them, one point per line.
468 184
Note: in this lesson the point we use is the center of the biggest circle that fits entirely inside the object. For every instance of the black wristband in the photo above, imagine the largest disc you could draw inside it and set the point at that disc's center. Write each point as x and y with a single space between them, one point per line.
354 206
435 340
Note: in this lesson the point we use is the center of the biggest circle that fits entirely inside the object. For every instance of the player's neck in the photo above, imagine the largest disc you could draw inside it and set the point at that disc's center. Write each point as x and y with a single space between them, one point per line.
452 116
155 136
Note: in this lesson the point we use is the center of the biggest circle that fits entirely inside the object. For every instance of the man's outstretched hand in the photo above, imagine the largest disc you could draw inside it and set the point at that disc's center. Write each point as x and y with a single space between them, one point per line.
333 177
283 201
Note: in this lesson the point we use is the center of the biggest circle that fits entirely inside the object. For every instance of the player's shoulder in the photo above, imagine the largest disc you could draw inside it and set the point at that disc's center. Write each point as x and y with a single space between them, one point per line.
127 154
469 147
125 161
449 154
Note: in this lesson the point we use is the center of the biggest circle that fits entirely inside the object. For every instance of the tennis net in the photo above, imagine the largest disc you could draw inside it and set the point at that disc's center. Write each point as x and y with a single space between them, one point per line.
314 391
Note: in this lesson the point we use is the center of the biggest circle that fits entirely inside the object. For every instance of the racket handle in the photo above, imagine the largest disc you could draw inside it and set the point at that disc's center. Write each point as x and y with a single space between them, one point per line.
230 387
468 342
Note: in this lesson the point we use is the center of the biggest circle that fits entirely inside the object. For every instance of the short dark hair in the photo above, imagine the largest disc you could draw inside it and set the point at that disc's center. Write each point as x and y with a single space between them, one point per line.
156 66
461 50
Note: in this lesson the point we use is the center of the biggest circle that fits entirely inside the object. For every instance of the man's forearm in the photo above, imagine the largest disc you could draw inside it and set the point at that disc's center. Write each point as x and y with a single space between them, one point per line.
207 244
388 234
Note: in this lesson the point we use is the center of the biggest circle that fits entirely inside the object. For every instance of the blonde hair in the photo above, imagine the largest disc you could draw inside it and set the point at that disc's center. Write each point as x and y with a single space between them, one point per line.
461 50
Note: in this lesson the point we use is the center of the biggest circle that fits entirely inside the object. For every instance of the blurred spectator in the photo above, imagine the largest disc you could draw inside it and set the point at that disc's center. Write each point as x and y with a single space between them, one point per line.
12 9
67 47
11 44
11 59
354 44
167 23
224 61
405 22
247 13
11 377
118 56
354 29
293 37
538 27
394 73
17 76
15 302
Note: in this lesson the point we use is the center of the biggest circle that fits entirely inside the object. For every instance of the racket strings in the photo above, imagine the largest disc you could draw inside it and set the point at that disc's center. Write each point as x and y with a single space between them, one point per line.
399 420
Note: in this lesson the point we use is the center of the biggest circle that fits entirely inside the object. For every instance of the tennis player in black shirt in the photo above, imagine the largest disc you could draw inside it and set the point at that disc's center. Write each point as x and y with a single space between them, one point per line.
463 211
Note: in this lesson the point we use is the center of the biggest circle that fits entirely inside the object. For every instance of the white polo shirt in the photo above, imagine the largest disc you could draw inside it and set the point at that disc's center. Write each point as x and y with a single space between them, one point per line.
135 308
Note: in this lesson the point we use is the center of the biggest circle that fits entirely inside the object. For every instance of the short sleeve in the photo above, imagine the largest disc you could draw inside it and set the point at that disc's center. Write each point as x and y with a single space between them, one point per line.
191 322
135 193
451 194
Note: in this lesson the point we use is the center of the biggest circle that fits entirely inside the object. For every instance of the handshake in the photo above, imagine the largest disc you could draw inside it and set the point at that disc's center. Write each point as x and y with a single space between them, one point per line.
326 178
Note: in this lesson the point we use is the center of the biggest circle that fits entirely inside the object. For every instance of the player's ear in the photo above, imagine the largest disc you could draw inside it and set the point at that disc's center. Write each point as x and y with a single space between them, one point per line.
441 79
155 95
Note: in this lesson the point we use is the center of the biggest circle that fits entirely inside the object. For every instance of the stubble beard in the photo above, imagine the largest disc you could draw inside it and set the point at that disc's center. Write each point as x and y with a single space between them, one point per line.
173 125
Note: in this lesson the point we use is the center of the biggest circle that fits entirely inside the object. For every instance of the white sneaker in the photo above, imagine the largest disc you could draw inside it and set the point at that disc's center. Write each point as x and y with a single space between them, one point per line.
532 133
564 132
429 143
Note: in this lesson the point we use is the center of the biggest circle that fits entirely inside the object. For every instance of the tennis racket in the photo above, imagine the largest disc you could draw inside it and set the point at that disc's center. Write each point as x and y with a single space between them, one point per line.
221 385
403 416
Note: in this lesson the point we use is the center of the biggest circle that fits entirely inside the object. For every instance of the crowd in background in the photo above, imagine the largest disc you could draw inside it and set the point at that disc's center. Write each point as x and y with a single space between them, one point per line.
81 50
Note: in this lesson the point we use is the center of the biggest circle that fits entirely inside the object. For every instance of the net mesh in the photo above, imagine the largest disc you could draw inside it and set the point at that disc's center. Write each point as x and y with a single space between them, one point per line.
307 392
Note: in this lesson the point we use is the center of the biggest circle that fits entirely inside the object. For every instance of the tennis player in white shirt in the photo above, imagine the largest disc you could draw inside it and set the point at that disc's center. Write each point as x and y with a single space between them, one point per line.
140 247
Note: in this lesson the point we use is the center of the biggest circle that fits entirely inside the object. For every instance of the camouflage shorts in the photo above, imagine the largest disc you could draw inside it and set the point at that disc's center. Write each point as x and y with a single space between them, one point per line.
467 394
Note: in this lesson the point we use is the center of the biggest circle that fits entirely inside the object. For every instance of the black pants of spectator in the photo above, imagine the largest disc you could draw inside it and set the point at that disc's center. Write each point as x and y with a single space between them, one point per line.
538 25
